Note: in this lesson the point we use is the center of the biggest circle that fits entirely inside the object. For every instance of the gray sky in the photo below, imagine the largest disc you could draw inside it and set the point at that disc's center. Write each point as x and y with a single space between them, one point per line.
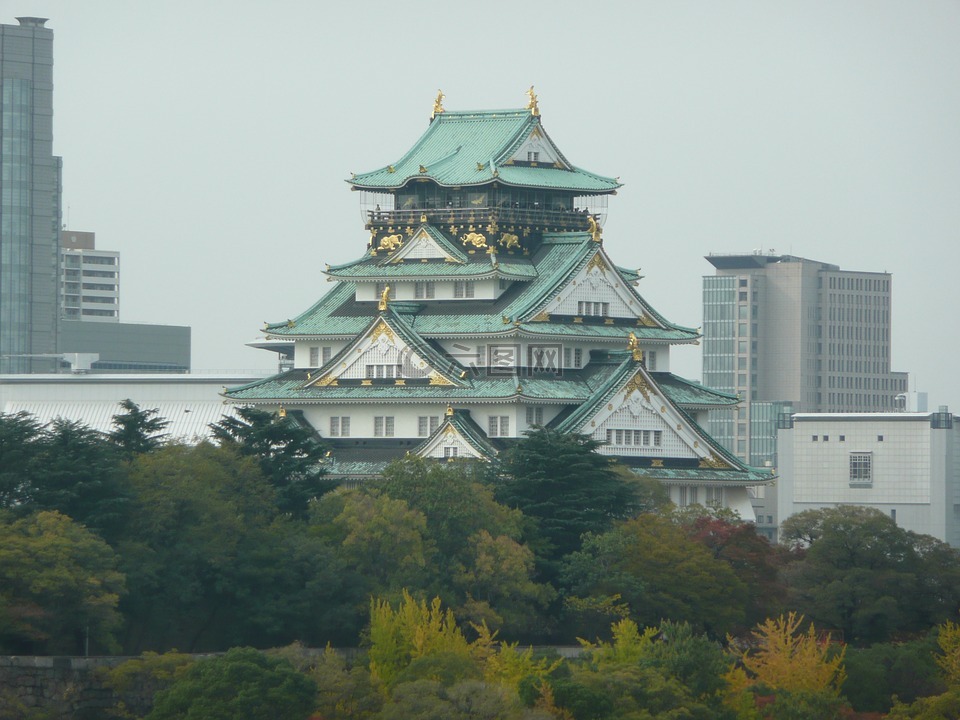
208 141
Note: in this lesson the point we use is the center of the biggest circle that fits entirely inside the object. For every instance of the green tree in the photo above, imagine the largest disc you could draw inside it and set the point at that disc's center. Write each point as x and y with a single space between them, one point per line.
868 578
80 474
877 673
202 555
560 481
657 573
243 683
289 452
484 570
21 437
137 431
59 587
752 558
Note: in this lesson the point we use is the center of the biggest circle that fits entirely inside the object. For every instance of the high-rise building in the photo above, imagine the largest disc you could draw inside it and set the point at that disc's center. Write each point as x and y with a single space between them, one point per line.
788 334
484 305
29 200
89 279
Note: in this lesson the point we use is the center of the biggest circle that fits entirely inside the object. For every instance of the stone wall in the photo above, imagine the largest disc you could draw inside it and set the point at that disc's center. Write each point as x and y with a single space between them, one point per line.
65 688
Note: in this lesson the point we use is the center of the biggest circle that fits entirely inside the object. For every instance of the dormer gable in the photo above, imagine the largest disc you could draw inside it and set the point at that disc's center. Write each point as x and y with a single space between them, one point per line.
537 150
426 244
389 351
457 438
632 416
597 289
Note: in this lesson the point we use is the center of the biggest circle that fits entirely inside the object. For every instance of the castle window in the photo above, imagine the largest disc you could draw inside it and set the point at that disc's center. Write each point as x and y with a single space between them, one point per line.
381 286
534 416
427 425
498 426
325 355
383 426
533 157
463 289
424 290
451 452
340 426
593 309
380 372
314 356
573 357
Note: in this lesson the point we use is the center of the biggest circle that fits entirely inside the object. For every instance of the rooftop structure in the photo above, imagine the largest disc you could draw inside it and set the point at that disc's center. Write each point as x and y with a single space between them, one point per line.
484 305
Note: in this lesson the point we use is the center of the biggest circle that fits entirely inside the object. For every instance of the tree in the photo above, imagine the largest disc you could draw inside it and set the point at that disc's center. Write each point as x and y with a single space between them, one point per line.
559 480
870 579
20 446
200 564
752 558
59 587
802 667
79 473
288 451
243 683
490 573
656 573
137 431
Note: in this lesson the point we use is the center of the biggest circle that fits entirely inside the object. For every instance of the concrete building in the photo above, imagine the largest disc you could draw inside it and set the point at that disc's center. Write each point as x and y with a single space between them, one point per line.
116 347
29 200
484 304
89 279
906 465
788 334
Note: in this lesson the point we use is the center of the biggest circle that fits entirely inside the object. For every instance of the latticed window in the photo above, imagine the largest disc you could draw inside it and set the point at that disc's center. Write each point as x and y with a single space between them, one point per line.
498 425
314 356
451 452
597 309
383 426
379 372
534 416
424 290
861 469
463 289
427 425
340 426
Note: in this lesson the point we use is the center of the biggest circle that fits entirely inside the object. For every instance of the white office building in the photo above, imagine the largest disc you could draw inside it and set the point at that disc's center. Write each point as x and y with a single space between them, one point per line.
906 465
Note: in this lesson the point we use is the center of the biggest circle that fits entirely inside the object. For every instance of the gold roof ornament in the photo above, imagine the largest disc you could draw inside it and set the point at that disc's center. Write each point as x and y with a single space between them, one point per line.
449 411
282 412
533 106
384 299
437 105
594 228
633 345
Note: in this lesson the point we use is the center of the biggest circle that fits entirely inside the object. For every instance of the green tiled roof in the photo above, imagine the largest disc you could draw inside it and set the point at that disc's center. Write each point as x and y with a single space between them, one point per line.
371 269
338 314
467 148
462 421
691 394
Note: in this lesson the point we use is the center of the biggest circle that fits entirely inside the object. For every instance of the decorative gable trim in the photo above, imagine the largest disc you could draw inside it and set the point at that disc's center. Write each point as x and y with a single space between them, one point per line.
383 352
597 288
424 246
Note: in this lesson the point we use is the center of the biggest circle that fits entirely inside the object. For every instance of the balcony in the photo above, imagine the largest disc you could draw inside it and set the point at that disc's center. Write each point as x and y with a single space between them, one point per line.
506 217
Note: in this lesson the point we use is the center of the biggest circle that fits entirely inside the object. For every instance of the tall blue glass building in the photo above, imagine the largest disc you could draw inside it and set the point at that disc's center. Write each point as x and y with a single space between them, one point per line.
29 200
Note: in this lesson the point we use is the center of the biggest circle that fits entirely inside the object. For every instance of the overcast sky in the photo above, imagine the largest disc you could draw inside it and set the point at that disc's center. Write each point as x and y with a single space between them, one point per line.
208 141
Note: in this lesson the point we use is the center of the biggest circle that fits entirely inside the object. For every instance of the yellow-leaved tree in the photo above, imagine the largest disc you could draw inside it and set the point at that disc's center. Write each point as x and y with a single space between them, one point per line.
787 659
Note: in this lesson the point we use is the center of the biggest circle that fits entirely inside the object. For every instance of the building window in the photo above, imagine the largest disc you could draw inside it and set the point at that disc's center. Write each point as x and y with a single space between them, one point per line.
424 290
533 156
381 286
463 289
595 309
340 426
815 438
861 469
650 359
843 438
534 416
498 426
826 438
325 356
379 372
314 356
427 425
451 452
383 426
879 438
573 357
640 438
